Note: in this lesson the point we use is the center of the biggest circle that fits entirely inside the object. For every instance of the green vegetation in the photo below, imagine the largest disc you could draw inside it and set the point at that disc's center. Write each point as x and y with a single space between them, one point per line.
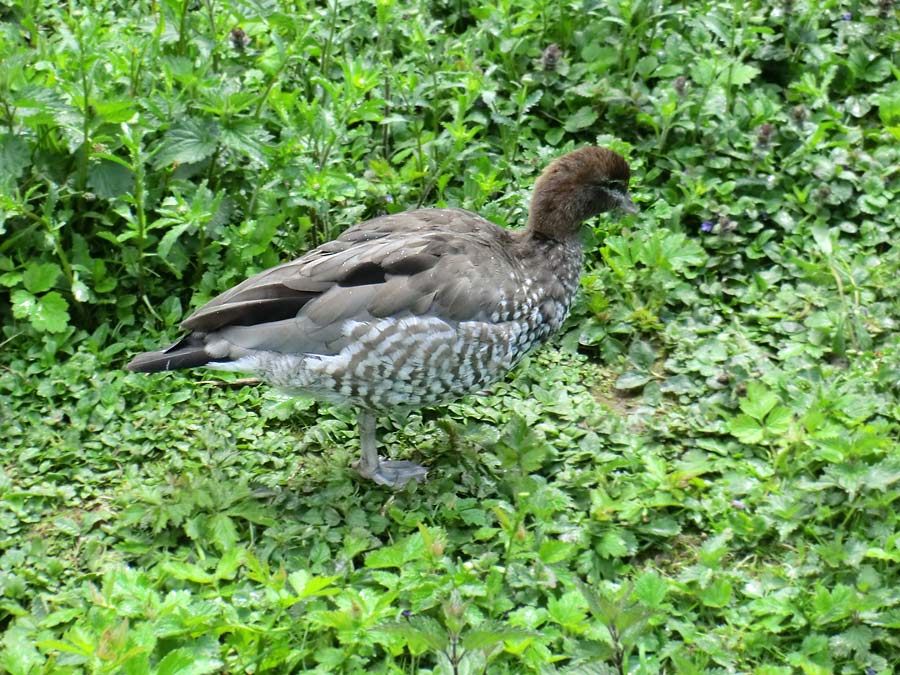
701 476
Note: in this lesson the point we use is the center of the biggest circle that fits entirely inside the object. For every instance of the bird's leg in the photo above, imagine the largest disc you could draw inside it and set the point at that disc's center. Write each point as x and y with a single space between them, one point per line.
392 473
368 445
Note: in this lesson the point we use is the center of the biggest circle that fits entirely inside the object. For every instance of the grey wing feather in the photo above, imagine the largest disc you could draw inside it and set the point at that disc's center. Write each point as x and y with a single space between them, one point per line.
395 265
267 296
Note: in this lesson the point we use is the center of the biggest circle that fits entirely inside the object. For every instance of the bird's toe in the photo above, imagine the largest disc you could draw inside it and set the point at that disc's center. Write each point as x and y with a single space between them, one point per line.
392 473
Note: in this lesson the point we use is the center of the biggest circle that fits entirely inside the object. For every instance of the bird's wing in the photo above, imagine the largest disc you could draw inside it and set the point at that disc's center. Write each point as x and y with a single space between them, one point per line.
407 264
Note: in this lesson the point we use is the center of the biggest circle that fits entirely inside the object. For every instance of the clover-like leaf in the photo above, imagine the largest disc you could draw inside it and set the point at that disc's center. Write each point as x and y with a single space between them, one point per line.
40 277
759 401
47 313
746 429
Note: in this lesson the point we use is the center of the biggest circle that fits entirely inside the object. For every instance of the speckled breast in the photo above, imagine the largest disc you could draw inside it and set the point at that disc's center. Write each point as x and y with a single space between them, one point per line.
409 362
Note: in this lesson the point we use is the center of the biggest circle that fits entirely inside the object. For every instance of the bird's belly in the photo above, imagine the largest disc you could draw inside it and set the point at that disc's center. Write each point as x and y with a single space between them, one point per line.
422 361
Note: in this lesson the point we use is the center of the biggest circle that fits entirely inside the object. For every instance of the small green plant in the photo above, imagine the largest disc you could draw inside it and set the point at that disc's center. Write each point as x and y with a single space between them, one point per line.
460 647
762 420
623 619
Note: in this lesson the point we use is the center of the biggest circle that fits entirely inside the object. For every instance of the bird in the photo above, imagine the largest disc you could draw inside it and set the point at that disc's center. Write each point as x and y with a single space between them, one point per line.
408 310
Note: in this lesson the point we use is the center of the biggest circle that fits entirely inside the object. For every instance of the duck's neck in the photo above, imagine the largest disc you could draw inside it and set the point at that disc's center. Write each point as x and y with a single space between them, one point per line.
538 245
551 218
553 270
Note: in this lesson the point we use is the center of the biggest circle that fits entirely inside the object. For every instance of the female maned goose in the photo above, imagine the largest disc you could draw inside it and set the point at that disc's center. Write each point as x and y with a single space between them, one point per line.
408 310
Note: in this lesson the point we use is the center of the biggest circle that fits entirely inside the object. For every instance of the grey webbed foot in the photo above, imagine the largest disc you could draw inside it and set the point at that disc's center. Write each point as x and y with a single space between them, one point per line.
392 473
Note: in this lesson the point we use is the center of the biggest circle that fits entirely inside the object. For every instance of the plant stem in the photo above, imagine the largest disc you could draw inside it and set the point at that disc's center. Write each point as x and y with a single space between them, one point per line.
182 28
326 50
211 173
210 10
86 116
140 213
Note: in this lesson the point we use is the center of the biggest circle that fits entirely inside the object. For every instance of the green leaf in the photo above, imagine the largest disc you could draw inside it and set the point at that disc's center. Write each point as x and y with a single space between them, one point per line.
248 139
49 313
740 74
704 71
170 237
554 551
52 313
642 354
631 622
889 105
650 588
778 421
612 545
19 656
230 562
10 278
115 111
108 179
529 101
810 667
188 571
598 651
855 639
877 70
632 379
554 135
834 604
646 65
746 429
222 531
581 118
521 447
682 253
420 632
41 105
306 585
716 594
759 401
823 236
489 634
397 555
192 140
80 291
15 157
81 649
600 56
139 664
23 304
568 611
187 661
602 607
40 277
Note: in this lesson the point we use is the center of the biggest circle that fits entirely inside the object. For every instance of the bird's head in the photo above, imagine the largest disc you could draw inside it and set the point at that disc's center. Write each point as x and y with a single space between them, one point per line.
576 187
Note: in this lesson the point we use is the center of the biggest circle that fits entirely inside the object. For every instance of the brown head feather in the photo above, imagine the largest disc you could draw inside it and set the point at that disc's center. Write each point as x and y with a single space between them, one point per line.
576 187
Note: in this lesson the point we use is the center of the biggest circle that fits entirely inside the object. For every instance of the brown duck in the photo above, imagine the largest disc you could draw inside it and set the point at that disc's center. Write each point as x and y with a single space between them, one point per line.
408 310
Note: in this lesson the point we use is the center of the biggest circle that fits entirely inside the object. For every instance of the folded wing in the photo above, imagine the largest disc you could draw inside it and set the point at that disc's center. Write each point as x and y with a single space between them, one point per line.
394 266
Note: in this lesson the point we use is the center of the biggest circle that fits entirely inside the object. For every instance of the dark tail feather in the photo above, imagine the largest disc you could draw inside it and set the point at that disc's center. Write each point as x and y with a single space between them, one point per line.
189 352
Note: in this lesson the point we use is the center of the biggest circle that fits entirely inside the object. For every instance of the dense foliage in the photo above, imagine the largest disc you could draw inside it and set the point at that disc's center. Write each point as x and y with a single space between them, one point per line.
701 477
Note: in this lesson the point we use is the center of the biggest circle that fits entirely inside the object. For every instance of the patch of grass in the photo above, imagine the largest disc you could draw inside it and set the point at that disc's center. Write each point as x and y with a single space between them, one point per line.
700 476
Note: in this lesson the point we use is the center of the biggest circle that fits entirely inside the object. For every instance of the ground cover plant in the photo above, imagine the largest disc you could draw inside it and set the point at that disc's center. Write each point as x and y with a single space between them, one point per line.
700 476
